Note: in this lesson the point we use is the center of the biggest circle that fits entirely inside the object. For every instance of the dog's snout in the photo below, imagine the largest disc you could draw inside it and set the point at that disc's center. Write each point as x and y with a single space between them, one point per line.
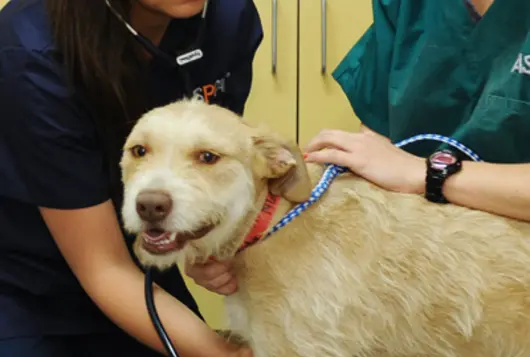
153 206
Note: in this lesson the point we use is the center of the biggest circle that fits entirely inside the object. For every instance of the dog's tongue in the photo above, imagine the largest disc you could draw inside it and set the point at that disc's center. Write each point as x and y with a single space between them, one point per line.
159 242
155 235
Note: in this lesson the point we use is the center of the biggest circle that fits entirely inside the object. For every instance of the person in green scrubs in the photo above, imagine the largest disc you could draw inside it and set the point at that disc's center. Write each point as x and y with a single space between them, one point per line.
454 68
458 68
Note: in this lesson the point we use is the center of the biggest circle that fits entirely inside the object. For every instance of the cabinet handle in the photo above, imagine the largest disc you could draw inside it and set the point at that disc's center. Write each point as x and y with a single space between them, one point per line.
324 37
274 34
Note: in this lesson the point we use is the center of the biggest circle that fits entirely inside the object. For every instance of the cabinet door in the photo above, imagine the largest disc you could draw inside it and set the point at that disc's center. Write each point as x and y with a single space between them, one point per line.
273 98
328 29
272 102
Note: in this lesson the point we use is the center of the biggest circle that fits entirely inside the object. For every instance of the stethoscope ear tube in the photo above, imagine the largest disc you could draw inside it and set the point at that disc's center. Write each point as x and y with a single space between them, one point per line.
192 54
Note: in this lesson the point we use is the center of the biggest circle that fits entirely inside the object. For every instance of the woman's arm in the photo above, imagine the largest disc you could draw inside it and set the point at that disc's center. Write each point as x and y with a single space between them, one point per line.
495 188
91 242
503 189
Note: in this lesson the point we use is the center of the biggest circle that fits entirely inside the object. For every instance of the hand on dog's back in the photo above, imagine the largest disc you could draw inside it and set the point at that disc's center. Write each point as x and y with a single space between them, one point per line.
214 276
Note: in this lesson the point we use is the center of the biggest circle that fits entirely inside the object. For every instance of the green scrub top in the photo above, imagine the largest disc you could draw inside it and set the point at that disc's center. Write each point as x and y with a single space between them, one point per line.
429 67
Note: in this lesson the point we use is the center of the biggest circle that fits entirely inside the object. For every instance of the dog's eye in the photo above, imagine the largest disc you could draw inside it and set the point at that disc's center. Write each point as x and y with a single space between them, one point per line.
138 151
208 157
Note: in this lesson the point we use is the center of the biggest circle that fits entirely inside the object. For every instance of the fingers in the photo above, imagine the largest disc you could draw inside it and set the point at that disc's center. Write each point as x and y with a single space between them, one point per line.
208 270
224 284
215 276
330 156
336 139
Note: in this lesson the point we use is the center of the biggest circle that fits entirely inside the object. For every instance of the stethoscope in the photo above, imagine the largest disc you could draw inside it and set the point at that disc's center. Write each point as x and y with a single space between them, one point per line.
191 54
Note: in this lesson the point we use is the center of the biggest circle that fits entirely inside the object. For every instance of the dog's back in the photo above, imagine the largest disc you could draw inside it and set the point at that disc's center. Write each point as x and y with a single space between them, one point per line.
370 272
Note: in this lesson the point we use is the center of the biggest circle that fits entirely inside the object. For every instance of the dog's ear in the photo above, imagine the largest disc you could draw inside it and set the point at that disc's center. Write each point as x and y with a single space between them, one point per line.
283 164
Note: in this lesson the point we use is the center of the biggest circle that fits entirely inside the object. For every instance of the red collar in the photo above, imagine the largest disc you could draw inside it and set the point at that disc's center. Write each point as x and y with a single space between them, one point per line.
262 222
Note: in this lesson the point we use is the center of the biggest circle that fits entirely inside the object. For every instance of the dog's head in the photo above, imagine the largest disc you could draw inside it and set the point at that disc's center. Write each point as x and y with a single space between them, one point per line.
192 173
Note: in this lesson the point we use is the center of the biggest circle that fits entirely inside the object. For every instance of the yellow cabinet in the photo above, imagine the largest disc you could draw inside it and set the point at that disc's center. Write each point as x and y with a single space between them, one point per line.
273 98
2 3
328 29
306 39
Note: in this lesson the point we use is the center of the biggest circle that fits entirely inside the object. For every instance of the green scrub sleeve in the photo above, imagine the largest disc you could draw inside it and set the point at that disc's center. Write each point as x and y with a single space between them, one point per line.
364 72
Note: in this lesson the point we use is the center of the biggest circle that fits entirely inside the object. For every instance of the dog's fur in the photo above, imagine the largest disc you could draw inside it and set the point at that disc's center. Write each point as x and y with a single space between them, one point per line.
363 272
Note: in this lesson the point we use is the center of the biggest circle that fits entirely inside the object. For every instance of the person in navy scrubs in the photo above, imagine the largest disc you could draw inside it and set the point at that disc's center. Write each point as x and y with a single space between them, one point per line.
74 76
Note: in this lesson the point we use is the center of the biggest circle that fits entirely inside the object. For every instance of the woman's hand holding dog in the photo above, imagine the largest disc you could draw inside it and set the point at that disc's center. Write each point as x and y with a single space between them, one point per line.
371 156
214 276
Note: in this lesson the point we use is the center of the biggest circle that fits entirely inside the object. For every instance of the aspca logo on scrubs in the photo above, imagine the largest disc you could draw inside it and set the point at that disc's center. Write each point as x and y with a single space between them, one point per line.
209 91
522 64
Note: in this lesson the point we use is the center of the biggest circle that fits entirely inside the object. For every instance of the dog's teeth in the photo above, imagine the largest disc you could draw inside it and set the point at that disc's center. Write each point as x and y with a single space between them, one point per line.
165 241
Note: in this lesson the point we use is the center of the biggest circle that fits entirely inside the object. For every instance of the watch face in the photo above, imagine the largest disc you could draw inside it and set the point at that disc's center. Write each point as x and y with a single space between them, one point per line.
440 160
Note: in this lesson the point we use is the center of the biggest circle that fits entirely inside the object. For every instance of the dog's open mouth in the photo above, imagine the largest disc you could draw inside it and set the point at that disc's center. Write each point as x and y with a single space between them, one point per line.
158 241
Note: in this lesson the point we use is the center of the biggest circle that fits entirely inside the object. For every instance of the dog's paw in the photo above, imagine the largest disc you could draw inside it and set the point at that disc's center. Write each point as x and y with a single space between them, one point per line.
232 337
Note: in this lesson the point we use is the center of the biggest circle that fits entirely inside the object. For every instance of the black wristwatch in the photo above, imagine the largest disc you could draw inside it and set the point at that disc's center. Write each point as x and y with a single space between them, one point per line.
440 165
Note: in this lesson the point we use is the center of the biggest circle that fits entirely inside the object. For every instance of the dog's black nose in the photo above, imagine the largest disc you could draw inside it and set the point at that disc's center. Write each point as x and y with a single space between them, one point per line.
153 205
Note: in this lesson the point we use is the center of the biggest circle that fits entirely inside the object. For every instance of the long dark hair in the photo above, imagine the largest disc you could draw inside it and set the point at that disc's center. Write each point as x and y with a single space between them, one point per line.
102 61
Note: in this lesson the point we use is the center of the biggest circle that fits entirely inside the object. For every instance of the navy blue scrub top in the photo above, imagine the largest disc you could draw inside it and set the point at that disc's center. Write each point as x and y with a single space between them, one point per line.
50 156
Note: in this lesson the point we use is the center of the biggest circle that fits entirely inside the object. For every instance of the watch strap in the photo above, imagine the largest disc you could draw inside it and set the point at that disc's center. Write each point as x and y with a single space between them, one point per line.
438 173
